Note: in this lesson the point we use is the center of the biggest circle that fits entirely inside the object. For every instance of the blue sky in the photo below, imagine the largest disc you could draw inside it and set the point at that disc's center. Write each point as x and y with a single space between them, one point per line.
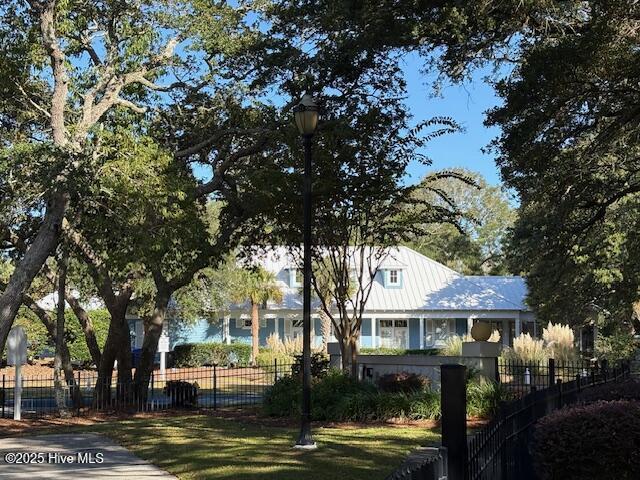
466 104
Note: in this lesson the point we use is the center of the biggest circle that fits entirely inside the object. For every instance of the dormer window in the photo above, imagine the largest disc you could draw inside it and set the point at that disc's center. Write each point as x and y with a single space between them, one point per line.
295 277
393 278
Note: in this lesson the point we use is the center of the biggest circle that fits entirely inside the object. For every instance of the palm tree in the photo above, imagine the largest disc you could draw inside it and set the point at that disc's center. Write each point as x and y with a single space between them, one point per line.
260 288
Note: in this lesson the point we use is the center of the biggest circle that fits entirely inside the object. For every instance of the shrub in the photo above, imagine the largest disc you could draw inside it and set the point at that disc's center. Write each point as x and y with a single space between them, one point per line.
397 351
599 440
282 399
484 397
402 382
619 345
627 390
559 342
319 365
425 406
201 354
330 395
338 397
38 340
452 346
267 358
181 393
78 348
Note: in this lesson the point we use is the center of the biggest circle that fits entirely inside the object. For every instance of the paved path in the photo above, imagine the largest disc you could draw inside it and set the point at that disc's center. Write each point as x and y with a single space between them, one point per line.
67 456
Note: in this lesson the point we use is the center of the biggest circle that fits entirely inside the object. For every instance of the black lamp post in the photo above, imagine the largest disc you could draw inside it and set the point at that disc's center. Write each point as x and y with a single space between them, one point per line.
306 116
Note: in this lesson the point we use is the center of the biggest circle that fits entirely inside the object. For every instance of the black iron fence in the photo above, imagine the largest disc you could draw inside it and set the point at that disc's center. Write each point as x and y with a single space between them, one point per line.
500 450
519 376
206 387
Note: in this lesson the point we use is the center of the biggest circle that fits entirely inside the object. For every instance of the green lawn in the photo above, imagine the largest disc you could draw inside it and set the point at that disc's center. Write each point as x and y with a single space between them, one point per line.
207 447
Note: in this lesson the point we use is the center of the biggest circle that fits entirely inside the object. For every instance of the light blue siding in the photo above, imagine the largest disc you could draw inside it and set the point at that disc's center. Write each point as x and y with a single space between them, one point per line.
268 330
239 335
365 333
198 332
414 333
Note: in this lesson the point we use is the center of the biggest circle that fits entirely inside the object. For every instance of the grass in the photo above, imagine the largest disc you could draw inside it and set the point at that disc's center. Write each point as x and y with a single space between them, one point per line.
201 446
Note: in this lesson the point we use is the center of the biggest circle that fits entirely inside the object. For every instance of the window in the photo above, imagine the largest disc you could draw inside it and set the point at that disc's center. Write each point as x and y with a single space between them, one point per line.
437 330
297 328
296 277
393 278
394 333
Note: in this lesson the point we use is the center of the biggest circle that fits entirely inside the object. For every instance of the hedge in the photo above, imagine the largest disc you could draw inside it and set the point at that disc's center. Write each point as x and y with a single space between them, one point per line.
600 441
338 397
397 351
201 354
627 390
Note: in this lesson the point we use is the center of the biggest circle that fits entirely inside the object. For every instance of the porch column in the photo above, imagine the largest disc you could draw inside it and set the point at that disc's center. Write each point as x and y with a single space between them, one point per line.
373 332
421 320
470 320
505 331
518 325
225 330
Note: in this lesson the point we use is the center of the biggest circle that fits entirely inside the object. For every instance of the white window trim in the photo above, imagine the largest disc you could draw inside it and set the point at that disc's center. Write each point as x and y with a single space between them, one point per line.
393 328
292 278
451 330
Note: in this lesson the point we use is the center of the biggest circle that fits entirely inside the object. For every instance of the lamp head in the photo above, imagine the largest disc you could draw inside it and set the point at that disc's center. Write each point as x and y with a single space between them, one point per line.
306 115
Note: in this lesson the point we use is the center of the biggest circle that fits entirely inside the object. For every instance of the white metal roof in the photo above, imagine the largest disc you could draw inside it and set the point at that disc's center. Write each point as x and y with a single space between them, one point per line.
426 285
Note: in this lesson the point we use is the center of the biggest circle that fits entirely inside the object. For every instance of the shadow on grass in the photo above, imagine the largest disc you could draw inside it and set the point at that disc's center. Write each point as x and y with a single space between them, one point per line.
206 447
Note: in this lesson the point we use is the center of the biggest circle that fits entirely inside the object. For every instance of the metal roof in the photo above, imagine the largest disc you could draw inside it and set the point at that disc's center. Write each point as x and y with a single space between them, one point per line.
426 285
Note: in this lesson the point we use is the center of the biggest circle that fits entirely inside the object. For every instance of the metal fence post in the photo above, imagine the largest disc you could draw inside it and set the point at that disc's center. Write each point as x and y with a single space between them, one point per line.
496 366
275 370
453 398
4 394
560 400
215 386
153 385
552 372
79 393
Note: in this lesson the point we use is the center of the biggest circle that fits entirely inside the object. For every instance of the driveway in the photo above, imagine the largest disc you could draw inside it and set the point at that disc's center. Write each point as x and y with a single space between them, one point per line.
82 455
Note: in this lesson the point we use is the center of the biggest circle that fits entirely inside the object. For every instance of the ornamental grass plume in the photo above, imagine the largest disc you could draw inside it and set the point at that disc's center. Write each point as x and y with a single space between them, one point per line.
527 349
495 337
452 346
559 341
290 346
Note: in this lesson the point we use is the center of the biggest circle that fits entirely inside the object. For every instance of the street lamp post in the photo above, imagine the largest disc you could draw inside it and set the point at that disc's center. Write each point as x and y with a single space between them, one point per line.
306 116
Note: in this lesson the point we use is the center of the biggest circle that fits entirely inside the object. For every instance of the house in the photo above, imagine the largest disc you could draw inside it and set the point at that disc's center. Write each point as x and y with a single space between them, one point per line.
415 303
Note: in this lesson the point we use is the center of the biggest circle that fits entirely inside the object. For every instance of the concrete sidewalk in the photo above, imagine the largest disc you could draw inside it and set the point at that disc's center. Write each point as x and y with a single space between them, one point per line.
72 456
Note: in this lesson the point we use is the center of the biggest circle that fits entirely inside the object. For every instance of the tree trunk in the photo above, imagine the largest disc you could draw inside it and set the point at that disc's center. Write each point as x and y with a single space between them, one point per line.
325 329
28 267
353 350
349 353
87 329
255 333
65 356
117 347
58 382
153 330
